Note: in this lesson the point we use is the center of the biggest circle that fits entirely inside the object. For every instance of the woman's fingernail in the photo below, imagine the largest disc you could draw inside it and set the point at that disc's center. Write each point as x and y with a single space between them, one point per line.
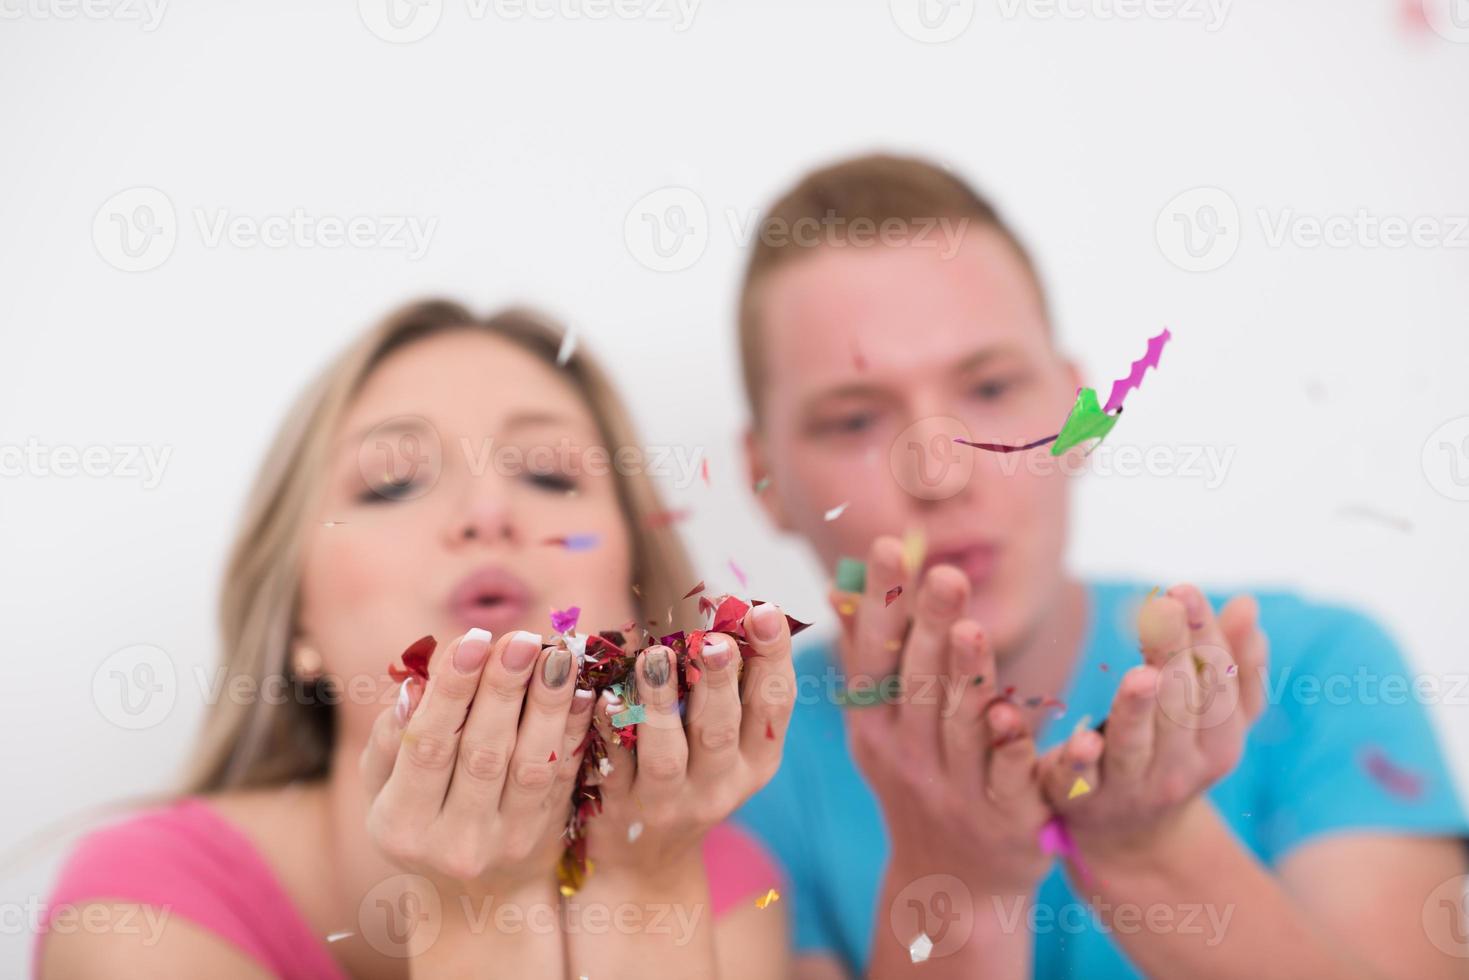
581 701
405 701
717 652
524 647
656 666
767 622
557 668
472 650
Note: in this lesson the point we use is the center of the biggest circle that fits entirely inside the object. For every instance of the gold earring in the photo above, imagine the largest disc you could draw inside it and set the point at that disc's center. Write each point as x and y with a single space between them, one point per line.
305 662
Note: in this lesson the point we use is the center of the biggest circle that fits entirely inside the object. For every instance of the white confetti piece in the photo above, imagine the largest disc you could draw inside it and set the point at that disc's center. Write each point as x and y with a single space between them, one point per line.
634 830
836 511
919 949
338 936
568 347
604 766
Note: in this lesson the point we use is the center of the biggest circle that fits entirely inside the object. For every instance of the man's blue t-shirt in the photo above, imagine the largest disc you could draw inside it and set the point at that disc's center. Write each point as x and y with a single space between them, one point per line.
1344 744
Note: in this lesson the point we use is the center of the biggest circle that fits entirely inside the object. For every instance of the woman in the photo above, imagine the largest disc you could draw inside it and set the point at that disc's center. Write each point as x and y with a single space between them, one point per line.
446 476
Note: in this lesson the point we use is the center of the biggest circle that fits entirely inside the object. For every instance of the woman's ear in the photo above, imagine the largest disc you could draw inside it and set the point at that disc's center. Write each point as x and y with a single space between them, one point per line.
758 473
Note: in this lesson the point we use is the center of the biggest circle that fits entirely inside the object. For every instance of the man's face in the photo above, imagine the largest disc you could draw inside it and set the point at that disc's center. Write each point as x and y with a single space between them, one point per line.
875 360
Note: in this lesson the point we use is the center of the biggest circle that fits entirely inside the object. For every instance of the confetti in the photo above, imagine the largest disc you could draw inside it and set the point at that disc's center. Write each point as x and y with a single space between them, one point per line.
634 830
665 518
920 948
1086 421
1391 777
1056 839
1156 590
997 447
762 484
739 574
1079 788
339 936
695 590
333 523
633 714
567 348
915 547
704 472
1231 670
575 542
1134 378
847 608
764 900
553 756
769 731
837 511
564 620
893 594
858 361
851 575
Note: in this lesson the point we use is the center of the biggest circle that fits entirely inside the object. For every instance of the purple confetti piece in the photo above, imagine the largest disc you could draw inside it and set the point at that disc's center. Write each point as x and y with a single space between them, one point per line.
564 620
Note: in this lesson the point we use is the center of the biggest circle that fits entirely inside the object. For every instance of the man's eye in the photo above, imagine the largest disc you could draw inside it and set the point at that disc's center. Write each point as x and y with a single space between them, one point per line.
847 424
993 390
390 490
554 482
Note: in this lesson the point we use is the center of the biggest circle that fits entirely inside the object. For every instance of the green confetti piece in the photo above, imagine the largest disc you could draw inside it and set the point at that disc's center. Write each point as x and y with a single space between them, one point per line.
887 690
1086 421
851 575
633 715
764 482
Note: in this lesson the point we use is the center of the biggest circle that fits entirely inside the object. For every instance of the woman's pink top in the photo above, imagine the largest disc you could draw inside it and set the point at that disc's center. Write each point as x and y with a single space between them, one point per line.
187 858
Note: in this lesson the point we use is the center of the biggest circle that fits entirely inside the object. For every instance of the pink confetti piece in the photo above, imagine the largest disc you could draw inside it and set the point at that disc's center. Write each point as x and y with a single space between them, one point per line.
564 620
1122 386
739 573
1056 839
704 471
1391 777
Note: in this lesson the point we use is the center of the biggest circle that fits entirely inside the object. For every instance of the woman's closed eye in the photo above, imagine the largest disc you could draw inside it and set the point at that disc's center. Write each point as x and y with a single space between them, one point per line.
550 481
388 490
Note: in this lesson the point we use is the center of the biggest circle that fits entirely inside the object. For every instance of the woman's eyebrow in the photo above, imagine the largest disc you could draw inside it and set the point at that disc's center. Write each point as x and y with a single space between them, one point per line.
402 425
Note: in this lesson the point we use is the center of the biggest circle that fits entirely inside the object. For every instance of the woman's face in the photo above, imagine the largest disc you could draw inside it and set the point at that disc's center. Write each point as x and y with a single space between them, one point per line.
462 456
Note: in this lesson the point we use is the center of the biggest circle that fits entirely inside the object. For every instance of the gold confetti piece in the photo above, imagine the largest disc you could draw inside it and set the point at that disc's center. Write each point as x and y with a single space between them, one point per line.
915 546
1200 664
847 608
1156 590
1079 788
892 645
767 898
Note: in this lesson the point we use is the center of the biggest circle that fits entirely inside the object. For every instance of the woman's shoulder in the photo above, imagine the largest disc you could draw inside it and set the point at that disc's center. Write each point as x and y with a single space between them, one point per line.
738 867
185 859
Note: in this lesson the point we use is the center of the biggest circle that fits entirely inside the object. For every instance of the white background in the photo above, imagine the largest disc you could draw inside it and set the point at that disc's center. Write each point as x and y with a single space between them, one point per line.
529 141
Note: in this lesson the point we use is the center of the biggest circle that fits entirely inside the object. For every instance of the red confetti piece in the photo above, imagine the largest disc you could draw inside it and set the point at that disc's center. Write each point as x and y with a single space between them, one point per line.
695 590
553 757
704 471
996 447
769 731
893 594
665 518
415 660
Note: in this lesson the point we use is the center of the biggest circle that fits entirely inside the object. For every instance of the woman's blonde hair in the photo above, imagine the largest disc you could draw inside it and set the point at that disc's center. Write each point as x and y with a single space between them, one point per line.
259 742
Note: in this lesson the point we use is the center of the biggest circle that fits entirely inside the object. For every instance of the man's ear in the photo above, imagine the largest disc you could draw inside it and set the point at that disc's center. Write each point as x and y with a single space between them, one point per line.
757 471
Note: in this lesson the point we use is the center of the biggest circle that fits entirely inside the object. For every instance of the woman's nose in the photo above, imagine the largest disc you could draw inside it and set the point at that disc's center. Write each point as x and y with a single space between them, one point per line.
484 516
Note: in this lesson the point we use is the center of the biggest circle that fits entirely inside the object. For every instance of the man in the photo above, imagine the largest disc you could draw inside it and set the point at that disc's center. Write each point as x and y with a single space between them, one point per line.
1221 822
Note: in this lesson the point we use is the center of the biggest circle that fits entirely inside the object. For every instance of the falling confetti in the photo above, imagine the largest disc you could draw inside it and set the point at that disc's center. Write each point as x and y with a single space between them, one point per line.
1391 777
339 936
837 511
762 484
915 547
851 575
1086 421
765 900
553 756
1079 788
920 948
634 830
1134 378
704 472
564 620
333 523
769 731
665 518
575 542
893 594
568 347
695 590
739 574
1156 590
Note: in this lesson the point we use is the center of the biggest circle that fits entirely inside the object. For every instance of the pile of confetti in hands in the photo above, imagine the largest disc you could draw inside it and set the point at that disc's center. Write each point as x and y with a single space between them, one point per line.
605 662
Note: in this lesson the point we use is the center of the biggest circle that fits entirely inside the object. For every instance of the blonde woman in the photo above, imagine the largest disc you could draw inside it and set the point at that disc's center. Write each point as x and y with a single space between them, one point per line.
430 483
